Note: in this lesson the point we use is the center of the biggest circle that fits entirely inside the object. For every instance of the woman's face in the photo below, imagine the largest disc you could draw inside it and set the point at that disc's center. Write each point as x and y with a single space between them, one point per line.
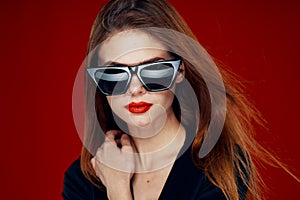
137 106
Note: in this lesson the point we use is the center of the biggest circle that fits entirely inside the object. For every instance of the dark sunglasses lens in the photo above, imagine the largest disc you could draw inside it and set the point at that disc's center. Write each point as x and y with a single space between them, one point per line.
112 81
158 76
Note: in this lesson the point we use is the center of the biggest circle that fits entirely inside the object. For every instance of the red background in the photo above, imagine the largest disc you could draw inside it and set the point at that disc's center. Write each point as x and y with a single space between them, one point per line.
44 42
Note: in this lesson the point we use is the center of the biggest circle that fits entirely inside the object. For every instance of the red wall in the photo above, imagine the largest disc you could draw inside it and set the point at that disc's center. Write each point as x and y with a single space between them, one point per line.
44 42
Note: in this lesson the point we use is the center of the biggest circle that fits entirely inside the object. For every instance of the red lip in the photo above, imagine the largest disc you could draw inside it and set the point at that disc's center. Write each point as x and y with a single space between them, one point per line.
138 107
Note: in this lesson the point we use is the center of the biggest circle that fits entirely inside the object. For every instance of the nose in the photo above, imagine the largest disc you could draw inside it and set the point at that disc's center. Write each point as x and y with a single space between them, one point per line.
135 87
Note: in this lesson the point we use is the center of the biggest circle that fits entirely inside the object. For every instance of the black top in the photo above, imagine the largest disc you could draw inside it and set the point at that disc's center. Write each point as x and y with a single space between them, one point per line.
185 182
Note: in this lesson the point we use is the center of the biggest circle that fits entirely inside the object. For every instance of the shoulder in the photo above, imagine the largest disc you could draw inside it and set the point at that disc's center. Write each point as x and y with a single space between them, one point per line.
77 187
191 181
74 173
187 181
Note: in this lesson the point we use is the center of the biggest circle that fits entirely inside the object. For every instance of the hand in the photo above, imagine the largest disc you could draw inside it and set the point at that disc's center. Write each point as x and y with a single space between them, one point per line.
114 164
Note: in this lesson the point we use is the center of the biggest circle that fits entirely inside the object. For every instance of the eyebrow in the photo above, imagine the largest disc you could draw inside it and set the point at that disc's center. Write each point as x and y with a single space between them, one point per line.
113 63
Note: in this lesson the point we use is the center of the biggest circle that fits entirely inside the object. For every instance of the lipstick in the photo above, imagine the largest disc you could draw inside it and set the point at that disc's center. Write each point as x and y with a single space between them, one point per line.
138 107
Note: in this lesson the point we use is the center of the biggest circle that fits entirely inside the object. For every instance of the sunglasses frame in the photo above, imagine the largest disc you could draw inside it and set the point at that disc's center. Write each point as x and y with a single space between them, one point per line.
130 70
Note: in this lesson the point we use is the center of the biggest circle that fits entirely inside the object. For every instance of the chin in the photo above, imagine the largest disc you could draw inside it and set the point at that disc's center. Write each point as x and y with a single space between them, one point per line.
143 126
139 121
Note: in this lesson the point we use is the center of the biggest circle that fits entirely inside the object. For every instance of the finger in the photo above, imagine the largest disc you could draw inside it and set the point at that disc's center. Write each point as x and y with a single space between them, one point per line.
125 140
126 143
112 134
93 162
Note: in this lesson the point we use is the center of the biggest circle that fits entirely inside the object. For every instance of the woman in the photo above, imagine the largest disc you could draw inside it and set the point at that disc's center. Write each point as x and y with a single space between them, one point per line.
157 96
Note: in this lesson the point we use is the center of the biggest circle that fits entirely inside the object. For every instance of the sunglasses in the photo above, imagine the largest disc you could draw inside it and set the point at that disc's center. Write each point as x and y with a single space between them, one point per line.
155 76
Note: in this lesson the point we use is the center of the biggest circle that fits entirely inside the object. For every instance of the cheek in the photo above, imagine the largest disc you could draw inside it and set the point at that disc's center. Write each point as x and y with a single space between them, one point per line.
166 98
114 103
109 99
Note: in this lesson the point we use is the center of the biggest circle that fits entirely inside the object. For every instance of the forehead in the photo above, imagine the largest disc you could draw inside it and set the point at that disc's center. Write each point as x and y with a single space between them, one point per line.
131 47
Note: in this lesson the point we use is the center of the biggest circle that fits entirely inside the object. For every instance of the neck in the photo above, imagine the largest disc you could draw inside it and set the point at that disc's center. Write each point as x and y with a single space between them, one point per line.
164 145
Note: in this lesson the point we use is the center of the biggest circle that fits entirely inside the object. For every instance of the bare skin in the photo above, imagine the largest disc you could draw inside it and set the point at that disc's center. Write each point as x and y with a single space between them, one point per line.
146 186
119 162
116 182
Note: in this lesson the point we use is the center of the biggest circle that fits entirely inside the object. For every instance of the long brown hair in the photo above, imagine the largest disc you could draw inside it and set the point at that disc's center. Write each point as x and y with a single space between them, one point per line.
236 151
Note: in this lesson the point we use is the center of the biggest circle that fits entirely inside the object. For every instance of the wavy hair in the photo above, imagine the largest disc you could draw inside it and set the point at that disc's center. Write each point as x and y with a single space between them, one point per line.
236 153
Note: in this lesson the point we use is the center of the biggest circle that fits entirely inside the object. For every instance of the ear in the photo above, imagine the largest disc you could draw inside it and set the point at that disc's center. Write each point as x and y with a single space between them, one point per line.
181 73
